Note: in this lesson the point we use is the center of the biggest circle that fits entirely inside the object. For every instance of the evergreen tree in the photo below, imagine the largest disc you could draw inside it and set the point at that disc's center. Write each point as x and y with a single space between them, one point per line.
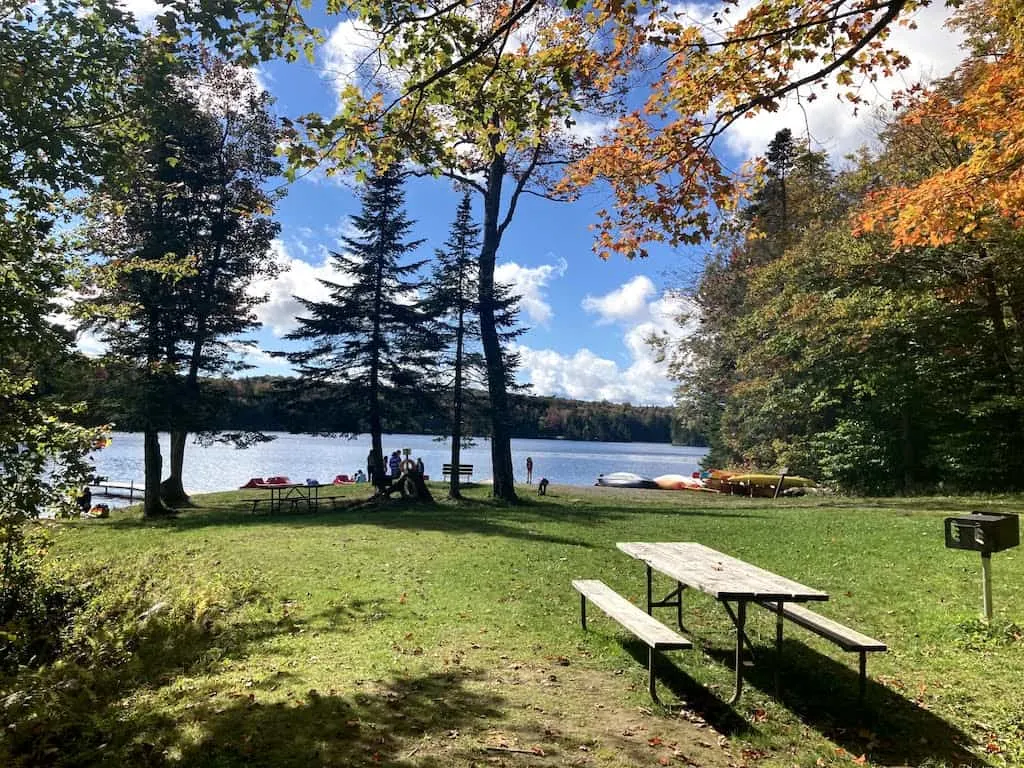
454 301
231 247
182 241
374 333
713 398
140 229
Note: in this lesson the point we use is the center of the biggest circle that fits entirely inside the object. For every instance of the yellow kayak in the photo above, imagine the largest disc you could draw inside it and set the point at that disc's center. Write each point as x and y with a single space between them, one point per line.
761 484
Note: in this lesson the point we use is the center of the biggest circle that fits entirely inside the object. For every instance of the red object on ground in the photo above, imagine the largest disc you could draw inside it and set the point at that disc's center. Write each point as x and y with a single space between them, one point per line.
343 480
254 482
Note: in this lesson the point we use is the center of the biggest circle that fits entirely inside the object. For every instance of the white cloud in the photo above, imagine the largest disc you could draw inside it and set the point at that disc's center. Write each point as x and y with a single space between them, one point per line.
261 360
143 10
530 284
350 58
933 51
87 342
585 376
298 278
643 380
625 303
590 128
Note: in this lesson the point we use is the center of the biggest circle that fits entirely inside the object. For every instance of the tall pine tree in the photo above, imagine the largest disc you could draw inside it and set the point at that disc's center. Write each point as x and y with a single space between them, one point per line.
372 334
454 299
182 241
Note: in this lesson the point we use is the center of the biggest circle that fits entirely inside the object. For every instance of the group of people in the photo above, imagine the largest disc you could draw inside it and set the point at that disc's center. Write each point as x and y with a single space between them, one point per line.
394 466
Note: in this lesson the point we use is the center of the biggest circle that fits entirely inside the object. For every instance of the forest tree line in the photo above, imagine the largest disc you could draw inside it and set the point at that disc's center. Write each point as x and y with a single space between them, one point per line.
281 404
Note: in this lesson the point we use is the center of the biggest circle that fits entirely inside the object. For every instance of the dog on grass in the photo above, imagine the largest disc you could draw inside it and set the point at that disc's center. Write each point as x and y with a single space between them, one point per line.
542 486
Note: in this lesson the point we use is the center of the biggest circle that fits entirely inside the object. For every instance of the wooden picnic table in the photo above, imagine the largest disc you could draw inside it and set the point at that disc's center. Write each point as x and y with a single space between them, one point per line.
728 580
294 493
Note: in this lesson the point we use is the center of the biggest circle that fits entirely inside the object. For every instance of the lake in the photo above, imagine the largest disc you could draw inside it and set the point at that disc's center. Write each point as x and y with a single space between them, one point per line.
221 467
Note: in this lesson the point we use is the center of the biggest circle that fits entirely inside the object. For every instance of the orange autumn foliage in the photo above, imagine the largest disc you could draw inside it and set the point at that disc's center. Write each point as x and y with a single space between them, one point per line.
984 192
660 161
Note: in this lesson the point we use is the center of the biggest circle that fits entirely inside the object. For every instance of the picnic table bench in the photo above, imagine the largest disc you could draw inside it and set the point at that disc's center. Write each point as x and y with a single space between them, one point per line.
465 470
735 584
846 638
656 635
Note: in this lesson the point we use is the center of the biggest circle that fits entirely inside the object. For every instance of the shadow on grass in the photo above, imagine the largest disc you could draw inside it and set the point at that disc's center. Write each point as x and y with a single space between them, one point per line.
383 725
677 689
486 517
822 693
538 508
105 713
395 514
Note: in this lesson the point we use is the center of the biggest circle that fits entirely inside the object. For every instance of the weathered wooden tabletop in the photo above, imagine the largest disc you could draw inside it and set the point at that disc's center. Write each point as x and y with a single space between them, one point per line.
718 574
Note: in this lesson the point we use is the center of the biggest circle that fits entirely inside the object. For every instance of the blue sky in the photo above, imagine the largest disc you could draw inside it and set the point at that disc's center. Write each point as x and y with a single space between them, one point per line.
587 318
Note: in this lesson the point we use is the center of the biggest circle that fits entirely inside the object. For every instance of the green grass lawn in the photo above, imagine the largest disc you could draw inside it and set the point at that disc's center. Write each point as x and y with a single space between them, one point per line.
449 635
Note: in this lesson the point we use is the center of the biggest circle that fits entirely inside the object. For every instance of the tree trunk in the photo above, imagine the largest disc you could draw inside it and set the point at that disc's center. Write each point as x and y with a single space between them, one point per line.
380 479
501 438
454 480
152 506
994 310
172 491
907 443
411 485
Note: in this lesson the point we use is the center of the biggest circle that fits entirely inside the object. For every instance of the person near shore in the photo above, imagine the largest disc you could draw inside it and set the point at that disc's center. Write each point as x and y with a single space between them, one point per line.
369 465
84 500
360 476
420 467
394 463
529 470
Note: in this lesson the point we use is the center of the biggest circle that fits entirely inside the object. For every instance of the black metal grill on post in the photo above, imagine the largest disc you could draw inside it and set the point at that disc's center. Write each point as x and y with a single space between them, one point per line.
984 532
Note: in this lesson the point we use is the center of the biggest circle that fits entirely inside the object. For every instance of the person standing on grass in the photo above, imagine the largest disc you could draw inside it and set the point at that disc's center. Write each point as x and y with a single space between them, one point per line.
394 463
529 470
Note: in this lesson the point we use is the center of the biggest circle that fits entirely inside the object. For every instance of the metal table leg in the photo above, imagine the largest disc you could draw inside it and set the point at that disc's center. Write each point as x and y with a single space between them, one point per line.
673 599
735 621
778 648
741 620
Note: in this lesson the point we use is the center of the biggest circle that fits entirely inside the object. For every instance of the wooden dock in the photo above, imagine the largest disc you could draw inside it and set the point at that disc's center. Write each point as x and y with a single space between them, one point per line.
111 488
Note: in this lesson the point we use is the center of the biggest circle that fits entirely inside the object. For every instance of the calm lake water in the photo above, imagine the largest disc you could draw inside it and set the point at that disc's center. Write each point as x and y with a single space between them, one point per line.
221 467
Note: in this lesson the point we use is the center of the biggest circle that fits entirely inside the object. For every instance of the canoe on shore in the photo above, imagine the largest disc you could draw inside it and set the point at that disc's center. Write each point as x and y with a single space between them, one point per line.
762 484
682 483
625 480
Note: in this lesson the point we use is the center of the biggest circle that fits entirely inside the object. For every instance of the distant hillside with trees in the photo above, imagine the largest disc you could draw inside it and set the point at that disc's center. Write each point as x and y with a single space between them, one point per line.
284 404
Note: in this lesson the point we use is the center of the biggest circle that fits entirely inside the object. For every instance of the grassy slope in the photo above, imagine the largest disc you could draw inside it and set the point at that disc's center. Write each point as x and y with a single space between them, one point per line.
410 636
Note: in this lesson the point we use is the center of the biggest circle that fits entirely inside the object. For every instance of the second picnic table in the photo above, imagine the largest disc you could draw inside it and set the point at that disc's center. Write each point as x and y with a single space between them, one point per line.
727 579
294 493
